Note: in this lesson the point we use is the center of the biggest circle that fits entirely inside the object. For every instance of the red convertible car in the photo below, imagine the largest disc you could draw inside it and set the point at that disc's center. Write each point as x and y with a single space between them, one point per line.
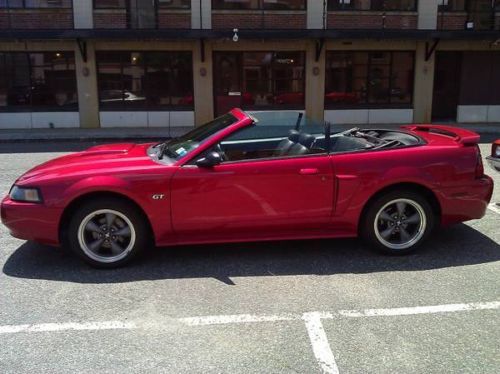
272 176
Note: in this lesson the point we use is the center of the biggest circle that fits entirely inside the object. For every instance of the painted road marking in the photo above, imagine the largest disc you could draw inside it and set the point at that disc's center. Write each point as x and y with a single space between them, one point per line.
319 343
449 308
49 327
312 320
494 207
237 318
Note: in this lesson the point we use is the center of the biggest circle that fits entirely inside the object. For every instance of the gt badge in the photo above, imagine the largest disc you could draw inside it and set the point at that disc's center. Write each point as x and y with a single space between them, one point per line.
158 197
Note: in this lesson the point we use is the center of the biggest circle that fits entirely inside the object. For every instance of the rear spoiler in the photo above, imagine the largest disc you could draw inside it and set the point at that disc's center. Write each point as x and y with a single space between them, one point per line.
458 134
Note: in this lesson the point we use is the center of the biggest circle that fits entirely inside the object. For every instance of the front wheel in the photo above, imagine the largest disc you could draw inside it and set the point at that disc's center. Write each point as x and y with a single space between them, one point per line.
398 222
107 233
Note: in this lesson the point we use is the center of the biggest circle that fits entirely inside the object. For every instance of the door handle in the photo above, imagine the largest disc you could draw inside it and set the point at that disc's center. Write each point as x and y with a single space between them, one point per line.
310 171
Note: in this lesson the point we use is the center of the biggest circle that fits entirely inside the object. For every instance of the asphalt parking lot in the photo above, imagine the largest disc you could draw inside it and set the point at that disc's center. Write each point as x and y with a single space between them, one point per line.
328 306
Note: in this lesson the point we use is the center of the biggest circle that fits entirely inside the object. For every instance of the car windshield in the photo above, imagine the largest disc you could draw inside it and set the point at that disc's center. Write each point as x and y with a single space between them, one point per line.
181 146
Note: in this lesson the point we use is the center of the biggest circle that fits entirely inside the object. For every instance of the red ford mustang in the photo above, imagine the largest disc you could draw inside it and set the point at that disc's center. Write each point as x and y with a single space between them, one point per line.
271 176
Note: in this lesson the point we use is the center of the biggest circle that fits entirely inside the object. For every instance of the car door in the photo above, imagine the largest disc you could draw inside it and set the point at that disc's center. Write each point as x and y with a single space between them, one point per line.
263 197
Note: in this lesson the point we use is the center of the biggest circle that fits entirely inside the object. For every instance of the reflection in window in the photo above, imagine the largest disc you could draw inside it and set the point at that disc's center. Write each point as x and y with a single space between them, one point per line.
260 79
259 4
38 81
377 5
369 78
109 4
451 5
175 4
145 80
35 4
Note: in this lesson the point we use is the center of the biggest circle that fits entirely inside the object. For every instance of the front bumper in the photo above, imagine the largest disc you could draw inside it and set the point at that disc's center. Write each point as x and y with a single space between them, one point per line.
494 162
30 221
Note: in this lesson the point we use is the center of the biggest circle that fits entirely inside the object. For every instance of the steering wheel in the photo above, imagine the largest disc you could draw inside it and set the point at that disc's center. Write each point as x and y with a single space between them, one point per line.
219 150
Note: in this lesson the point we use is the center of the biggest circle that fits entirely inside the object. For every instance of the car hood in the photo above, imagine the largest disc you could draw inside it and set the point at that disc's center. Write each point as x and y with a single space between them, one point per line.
102 159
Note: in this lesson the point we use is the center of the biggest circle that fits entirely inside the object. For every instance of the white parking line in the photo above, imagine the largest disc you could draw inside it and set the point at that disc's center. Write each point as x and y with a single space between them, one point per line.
448 308
237 318
46 327
319 343
494 207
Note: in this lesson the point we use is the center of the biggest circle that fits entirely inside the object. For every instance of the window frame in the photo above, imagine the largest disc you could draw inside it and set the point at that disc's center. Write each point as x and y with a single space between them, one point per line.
343 8
261 7
122 107
126 6
241 78
23 6
367 104
49 108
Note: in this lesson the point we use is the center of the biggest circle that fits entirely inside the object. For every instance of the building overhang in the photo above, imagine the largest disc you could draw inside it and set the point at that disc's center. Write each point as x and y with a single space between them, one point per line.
195 34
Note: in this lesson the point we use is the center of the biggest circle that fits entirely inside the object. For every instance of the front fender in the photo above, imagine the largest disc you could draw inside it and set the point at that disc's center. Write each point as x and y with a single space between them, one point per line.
140 191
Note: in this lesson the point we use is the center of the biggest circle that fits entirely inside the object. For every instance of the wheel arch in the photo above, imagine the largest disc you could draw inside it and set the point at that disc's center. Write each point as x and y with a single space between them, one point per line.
404 186
75 203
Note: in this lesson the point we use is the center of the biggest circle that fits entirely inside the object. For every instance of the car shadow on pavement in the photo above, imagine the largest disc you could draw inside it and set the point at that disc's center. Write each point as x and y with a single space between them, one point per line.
460 245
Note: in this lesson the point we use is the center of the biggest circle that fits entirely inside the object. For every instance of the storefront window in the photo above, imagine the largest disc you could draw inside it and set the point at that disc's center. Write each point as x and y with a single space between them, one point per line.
38 81
357 79
109 4
451 5
377 5
264 80
259 4
35 3
174 4
145 80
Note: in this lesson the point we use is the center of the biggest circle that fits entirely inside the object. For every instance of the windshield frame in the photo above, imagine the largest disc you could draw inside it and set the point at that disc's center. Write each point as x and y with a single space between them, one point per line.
242 120
193 139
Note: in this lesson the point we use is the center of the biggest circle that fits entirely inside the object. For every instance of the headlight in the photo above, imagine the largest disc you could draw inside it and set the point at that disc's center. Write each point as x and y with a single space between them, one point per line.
31 195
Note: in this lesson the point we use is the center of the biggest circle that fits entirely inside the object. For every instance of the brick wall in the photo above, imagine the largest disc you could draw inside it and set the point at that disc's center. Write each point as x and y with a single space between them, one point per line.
371 20
36 18
259 20
171 20
110 19
451 21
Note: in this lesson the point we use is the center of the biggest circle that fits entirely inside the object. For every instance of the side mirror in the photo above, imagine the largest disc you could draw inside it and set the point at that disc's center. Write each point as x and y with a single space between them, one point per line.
211 159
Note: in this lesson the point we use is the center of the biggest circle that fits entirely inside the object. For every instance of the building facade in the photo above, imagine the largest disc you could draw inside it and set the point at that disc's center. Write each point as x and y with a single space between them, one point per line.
170 63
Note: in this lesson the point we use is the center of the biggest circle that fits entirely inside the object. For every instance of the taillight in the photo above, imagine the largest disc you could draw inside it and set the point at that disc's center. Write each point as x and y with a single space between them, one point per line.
479 164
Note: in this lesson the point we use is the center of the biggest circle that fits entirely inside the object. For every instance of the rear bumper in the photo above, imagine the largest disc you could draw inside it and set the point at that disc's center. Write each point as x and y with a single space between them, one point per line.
29 221
494 162
467 202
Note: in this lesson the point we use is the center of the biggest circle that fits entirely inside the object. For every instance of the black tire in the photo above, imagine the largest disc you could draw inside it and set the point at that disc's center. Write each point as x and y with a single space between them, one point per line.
82 232
390 236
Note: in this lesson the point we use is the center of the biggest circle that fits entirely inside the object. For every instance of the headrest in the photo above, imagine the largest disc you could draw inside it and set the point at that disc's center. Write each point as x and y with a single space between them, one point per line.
294 135
306 140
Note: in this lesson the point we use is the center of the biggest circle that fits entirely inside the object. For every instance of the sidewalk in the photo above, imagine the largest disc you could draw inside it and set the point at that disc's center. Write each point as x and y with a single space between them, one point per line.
156 133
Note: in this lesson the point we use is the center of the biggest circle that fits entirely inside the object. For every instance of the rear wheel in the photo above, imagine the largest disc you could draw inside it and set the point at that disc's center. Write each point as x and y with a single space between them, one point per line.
107 233
398 222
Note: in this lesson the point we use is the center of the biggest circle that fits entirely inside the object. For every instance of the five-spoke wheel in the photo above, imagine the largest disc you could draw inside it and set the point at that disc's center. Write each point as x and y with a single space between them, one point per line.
108 232
106 235
398 222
